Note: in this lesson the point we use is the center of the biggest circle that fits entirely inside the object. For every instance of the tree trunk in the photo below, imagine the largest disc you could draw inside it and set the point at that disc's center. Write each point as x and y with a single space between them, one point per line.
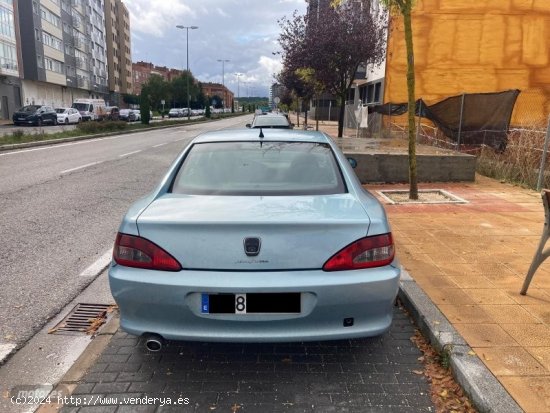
413 184
298 114
317 114
341 115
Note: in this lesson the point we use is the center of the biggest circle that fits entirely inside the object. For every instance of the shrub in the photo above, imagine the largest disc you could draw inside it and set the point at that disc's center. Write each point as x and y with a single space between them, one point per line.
89 128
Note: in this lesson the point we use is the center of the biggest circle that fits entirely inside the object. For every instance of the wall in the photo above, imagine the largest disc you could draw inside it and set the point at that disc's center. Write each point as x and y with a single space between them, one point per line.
49 94
469 46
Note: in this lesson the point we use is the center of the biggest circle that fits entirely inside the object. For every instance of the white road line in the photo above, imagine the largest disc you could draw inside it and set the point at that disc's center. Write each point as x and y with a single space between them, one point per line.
5 349
80 167
61 145
181 139
98 266
160 144
129 153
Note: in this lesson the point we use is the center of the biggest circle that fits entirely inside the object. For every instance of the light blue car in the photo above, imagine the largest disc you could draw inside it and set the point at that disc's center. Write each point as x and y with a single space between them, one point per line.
256 236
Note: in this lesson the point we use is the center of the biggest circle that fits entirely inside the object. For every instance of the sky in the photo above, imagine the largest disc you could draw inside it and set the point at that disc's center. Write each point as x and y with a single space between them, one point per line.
244 32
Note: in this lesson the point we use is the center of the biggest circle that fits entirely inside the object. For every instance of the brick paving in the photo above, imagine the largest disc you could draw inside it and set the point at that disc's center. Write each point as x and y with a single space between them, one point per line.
360 375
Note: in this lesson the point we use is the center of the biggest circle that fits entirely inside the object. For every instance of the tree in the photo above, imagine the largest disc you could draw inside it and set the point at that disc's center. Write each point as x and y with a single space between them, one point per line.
157 89
217 102
144 106
207 112
404 7
179 89
332 43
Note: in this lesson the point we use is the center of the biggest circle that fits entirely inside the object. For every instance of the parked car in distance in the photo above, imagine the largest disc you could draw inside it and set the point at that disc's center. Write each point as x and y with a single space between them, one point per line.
270 120
127 115
256 237
68 115
112 113
90 109
175 113
137 114
35 115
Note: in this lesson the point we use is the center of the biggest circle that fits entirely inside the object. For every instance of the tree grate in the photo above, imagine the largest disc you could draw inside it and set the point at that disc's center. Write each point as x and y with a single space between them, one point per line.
83 319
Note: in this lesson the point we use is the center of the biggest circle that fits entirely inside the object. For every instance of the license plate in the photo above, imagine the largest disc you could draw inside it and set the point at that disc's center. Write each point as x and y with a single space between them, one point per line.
251 303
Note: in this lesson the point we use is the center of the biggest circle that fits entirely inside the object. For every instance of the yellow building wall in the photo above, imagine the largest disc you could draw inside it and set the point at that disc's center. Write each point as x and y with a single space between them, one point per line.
471 46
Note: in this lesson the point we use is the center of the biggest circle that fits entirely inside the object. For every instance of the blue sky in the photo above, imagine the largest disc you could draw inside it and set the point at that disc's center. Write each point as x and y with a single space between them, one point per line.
242 31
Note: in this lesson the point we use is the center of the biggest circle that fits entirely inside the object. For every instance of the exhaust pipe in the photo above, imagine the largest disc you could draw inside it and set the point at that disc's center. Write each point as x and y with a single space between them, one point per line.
153 342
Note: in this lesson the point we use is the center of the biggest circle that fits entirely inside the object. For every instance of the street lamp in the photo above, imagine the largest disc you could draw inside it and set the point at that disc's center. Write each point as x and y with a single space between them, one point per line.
238 90
223 75
179 26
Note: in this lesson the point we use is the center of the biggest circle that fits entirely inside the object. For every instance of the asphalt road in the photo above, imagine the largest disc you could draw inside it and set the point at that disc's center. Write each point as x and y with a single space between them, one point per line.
60 207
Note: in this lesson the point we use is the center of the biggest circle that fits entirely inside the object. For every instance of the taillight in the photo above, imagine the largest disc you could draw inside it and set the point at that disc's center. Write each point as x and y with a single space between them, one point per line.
133 251
366 252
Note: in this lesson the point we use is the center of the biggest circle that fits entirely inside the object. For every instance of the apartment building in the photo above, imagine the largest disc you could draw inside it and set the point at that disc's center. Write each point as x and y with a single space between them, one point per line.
64 55
10 82
217 89
119 55
142 71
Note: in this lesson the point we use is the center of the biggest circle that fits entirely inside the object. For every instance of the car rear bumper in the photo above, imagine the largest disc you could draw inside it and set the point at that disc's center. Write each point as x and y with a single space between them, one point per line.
169 304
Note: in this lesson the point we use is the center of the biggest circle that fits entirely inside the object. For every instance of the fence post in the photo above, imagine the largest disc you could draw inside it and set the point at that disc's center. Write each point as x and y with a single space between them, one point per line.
460 123
419 120
329 108
543 160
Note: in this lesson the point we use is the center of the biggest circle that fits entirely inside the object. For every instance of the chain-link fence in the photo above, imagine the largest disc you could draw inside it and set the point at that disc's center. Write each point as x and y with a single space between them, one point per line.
519 157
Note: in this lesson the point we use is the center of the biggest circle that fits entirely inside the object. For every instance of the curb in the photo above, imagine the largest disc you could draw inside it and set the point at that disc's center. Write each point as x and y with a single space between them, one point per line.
14 146
483 388
85 361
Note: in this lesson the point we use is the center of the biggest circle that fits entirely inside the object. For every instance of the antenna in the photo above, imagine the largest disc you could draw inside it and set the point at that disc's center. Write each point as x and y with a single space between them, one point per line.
261 133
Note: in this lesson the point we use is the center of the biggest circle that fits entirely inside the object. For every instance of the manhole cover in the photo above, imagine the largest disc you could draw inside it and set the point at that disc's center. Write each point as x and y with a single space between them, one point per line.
83 319
425 196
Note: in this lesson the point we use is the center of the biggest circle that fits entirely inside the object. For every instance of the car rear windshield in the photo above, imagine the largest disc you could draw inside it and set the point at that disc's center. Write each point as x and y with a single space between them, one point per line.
30 108
61 110
259 168
270 121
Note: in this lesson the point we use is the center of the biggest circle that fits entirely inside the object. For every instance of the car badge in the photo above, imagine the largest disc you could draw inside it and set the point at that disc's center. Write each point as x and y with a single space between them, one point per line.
252 246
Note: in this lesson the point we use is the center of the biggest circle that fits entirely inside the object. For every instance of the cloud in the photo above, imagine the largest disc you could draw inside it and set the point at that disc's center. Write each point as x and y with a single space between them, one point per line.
243 31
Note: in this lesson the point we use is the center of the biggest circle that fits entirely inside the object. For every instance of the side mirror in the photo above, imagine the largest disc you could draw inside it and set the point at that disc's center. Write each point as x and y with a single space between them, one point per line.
248 125
352 162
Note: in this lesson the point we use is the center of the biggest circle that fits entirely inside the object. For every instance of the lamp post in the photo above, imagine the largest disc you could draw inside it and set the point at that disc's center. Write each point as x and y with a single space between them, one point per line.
238 85
223 76
179 26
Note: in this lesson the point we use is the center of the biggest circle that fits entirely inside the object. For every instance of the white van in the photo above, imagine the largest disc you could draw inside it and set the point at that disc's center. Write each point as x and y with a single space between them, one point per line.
90 109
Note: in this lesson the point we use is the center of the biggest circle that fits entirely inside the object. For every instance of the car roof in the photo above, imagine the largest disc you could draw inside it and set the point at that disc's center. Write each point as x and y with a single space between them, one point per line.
234 135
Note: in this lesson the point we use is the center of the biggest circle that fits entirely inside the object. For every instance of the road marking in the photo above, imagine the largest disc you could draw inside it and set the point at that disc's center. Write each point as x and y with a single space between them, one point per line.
181 139
129 153
80 167
5 350
160 144
61 145
98 266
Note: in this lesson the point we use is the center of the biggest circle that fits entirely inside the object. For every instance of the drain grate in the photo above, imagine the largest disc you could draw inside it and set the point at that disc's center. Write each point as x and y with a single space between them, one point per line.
83 319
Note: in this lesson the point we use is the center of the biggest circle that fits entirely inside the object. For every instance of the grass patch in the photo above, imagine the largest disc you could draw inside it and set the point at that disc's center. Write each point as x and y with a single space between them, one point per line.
92 128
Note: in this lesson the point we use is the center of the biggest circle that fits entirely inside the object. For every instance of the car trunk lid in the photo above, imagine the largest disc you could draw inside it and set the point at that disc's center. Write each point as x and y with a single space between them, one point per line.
289 233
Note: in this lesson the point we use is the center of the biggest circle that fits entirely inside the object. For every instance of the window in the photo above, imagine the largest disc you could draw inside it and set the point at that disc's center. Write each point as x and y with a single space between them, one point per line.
8 56
39 61
52 41
259 169
53 65
6 23
50 17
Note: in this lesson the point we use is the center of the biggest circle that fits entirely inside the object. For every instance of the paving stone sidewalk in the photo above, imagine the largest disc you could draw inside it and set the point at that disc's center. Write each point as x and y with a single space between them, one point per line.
362 375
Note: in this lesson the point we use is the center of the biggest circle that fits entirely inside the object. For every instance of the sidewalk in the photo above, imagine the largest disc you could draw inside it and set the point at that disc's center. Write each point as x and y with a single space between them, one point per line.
471 260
